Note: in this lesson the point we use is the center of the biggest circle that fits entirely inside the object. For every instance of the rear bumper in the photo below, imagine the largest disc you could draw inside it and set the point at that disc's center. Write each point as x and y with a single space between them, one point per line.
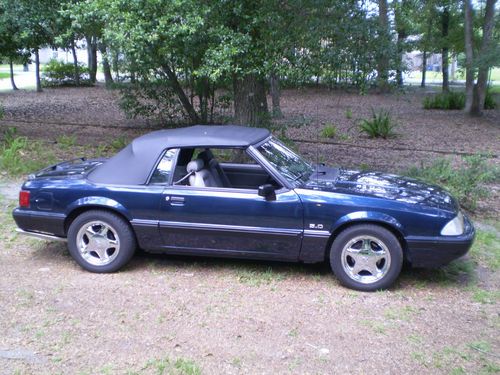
39 221
431 252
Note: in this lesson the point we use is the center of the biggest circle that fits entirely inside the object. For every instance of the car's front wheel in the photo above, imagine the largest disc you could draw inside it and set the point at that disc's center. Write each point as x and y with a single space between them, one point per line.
366 257
101 241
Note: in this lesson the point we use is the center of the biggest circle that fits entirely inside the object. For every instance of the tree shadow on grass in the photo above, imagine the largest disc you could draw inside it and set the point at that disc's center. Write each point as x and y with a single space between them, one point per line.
459 273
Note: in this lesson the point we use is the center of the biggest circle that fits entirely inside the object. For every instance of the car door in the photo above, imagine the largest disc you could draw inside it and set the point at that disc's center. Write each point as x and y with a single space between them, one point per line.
233 222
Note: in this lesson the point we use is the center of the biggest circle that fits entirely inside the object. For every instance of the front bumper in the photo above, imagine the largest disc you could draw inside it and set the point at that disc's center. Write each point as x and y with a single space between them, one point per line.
39 221
432 252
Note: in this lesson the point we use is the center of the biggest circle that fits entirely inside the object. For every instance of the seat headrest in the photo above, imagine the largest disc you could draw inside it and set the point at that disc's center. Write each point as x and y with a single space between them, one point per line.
206 155
195 165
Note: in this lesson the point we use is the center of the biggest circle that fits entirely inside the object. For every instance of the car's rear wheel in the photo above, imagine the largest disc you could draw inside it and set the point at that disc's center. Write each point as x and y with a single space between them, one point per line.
101 241
366 257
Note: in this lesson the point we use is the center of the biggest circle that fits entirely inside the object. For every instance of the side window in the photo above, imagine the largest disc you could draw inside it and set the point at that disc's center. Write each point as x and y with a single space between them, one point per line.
161 175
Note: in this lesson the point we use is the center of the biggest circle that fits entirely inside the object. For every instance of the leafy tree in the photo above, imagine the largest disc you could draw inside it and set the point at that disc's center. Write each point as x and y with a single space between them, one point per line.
479 58
36 24
11 48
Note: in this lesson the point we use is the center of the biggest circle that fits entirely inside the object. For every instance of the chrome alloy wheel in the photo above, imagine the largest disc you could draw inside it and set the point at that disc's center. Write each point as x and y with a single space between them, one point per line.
98 243
366 259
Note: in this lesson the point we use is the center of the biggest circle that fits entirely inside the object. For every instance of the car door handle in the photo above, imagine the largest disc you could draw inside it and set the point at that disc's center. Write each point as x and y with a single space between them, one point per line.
176 201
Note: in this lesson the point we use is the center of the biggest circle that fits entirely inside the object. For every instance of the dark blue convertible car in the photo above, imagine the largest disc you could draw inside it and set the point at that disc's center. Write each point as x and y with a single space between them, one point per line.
235 191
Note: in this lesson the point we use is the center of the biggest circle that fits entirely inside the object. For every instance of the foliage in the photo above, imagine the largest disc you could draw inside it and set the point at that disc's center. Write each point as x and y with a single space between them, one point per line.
20 156
380 125
1 111
465 183
58 73
329 131
454 100
448 100
152 100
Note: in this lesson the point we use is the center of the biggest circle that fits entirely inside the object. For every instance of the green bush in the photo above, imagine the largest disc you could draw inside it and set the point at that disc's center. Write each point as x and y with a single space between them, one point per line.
465 183
489 101
329 131
58 73
380 125
152 100
454 100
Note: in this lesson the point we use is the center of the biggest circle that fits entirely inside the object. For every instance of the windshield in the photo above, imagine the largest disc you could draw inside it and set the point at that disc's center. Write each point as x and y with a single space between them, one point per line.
290 165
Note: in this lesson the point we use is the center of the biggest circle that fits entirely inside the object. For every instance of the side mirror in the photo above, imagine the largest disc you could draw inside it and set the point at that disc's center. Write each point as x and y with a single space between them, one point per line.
267 191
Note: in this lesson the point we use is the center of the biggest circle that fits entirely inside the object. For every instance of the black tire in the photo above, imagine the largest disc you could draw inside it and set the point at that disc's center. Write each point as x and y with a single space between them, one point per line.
385 247
117 230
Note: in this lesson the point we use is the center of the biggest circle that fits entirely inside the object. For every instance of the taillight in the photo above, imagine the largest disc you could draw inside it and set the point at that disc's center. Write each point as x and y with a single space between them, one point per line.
24 199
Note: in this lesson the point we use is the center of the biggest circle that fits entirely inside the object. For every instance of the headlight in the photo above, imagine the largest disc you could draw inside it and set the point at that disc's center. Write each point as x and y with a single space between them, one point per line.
454 227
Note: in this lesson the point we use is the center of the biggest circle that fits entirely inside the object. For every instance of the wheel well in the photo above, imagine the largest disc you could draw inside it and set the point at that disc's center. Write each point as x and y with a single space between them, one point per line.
80 210
389 227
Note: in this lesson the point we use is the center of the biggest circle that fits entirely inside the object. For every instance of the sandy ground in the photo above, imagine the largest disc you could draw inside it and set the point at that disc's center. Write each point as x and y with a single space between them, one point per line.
232 317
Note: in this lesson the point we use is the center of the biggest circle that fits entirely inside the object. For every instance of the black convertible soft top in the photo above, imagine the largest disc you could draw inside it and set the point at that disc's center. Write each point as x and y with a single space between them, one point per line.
133 164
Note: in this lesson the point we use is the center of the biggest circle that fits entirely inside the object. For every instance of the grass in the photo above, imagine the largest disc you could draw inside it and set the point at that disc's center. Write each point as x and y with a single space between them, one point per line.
4 75
405 313
180 366
456 359
454 100
20 156
459 75
466 183
66 141
256 277
486 249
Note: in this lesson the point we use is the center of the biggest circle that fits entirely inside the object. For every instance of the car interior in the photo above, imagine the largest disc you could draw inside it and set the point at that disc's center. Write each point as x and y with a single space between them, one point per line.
201 168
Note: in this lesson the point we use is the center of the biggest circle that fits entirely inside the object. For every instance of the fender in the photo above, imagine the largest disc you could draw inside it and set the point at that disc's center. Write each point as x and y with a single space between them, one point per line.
98 201
370 216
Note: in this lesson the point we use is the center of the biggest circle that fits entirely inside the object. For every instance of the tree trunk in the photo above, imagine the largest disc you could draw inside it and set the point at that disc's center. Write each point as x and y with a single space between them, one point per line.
12 82
250 101
176 86
424 68
399 70
37 71
92 57
469 56
108 78
445 25
75 64
479 94
274 84
384 40
402 34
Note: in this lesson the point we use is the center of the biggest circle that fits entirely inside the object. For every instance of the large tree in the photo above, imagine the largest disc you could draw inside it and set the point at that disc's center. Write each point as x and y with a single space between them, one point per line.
480 58
36 20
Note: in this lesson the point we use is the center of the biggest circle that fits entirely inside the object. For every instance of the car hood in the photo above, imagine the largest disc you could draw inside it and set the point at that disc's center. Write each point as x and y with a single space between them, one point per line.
381 185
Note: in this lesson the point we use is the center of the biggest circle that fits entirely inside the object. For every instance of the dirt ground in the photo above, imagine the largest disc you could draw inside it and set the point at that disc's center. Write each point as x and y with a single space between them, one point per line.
166 314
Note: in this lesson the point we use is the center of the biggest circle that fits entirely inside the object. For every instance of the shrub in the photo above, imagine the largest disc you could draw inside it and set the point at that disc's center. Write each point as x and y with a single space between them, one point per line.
465 183
454 100
58 73
152 100
379 126
348 113
329 131
489 101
